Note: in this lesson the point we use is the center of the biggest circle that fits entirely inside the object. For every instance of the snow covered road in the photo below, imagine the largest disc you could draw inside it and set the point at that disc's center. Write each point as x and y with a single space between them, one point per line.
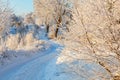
32 69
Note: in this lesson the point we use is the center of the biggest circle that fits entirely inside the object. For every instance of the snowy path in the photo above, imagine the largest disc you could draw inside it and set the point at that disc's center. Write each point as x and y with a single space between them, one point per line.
32 69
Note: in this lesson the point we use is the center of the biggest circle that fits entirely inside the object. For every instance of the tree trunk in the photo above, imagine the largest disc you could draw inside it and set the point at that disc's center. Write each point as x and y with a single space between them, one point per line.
47 27
58 25
56 31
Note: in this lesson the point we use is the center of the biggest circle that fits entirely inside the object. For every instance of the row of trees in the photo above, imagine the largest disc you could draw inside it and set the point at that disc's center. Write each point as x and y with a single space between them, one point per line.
94 25
55 14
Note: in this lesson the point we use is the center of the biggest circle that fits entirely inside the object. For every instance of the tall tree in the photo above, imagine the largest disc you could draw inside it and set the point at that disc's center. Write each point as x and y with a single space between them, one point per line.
96 34
54 12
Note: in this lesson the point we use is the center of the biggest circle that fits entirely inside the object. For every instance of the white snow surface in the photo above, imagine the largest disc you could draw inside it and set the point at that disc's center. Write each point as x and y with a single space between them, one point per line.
32 68
42 63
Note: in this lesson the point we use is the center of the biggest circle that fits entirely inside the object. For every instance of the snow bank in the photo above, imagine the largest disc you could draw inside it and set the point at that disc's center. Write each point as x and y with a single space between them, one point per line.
74 70
10 56
71 65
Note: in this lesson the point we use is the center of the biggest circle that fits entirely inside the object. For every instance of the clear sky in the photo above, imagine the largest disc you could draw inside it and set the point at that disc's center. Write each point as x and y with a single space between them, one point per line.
21 7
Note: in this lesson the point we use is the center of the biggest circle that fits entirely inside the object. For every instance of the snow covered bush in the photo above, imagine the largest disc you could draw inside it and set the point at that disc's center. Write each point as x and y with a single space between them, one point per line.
12 42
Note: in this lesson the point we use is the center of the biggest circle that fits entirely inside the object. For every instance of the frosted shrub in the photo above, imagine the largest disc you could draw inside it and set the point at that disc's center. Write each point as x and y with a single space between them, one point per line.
12 41
29 39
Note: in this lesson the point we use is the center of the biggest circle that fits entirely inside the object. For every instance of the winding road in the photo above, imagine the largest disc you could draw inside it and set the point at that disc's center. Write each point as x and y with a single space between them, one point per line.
32 69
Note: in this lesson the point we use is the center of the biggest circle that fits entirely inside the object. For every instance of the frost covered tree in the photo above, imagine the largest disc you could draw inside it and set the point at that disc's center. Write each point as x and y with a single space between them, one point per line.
54 14
62 15
94 35
15 20
5 13
29 19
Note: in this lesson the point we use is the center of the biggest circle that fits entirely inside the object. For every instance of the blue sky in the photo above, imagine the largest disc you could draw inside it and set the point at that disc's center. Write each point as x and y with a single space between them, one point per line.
21 7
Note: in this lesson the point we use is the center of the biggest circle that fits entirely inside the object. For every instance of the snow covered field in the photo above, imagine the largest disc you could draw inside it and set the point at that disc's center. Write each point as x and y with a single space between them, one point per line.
46 60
